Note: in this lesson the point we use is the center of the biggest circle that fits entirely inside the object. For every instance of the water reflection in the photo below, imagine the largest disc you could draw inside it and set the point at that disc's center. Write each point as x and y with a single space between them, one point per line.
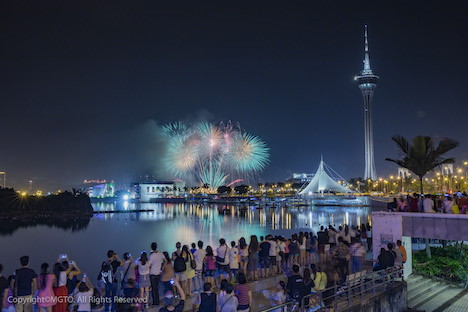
87 240
279 218
8 227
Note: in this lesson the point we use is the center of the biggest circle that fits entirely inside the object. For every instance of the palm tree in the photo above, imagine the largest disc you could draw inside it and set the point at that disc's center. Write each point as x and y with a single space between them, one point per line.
421 157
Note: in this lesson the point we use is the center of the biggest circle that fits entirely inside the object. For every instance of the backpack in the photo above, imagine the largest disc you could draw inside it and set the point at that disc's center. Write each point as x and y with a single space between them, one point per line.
193 264
106 274
179 264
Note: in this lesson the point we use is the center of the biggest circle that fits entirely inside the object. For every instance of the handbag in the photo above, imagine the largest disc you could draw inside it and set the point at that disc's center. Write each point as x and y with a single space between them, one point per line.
221 260
193 264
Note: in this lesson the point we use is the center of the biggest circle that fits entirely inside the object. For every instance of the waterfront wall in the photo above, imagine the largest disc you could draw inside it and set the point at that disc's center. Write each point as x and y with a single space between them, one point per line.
392 300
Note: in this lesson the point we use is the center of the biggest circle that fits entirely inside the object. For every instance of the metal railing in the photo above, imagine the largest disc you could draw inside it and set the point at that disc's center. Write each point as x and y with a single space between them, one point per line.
340 297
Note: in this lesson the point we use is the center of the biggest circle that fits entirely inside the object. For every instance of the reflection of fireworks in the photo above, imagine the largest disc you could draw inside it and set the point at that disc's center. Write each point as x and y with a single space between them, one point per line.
213 152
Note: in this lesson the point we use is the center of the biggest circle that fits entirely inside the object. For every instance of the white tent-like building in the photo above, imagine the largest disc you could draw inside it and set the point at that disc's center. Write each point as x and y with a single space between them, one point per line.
323 183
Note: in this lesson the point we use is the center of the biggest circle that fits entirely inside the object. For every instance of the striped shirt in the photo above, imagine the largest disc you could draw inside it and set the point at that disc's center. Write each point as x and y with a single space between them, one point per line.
242 293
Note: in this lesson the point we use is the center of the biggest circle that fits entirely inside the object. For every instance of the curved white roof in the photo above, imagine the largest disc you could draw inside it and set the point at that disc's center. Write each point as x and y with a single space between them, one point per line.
322 183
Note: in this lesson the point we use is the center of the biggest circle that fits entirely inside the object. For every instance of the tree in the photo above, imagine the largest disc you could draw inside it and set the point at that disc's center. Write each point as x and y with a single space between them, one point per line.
422 156
241 189
224 190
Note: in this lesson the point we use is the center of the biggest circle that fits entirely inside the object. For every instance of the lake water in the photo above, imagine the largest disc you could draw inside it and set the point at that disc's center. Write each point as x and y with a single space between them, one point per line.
87 241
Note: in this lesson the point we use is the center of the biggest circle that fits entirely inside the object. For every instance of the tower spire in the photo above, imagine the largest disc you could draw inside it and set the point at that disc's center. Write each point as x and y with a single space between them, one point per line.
367 69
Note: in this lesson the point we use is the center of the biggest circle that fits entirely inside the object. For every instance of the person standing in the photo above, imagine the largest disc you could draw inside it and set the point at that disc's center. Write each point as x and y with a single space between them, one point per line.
108 277
233 260
369 236
128 269
180 265
156 258
4 288
244 255
342 255
223 259
403 250
428 204
189 270
357 255
264 255
272 253
313 248
167 272
199 256
144 266
252 265
448 204
209 263
45 299
322 241
25 286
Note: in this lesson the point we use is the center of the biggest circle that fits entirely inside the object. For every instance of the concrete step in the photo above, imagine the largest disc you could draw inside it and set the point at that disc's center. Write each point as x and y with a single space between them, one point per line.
427 294
438 300
421 288
415 289
413 279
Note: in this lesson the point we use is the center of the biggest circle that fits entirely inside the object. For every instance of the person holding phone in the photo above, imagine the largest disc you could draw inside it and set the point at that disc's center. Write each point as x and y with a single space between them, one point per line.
169 300
83 295
108 277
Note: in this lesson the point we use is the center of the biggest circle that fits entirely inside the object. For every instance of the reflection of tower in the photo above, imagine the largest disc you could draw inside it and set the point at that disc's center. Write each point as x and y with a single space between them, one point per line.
367 83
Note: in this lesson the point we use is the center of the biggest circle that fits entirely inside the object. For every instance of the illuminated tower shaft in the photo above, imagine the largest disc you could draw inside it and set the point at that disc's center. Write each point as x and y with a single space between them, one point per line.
367 83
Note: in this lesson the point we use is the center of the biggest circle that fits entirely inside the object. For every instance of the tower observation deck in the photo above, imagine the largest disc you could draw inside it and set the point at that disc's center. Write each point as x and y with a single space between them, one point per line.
367 83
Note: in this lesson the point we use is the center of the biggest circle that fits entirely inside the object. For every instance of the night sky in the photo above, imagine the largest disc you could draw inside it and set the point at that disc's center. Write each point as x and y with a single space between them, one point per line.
84 84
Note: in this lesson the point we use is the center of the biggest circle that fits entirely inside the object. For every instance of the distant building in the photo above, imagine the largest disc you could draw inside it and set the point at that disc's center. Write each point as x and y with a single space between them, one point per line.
300 178
101 190
403 173
152 191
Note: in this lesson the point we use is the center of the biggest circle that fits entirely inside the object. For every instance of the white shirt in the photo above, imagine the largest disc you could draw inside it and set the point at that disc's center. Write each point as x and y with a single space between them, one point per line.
448 204
222 252
199 255
143 269
244 252
84 300
428 205
272 252
234 258
302 245
62 281
282 247
156 259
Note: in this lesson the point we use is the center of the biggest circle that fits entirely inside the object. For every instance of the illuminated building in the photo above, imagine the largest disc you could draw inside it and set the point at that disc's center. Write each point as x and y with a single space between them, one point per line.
152 191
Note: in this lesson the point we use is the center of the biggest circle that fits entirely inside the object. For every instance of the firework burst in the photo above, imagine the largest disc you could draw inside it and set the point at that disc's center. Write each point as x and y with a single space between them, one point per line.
214 153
